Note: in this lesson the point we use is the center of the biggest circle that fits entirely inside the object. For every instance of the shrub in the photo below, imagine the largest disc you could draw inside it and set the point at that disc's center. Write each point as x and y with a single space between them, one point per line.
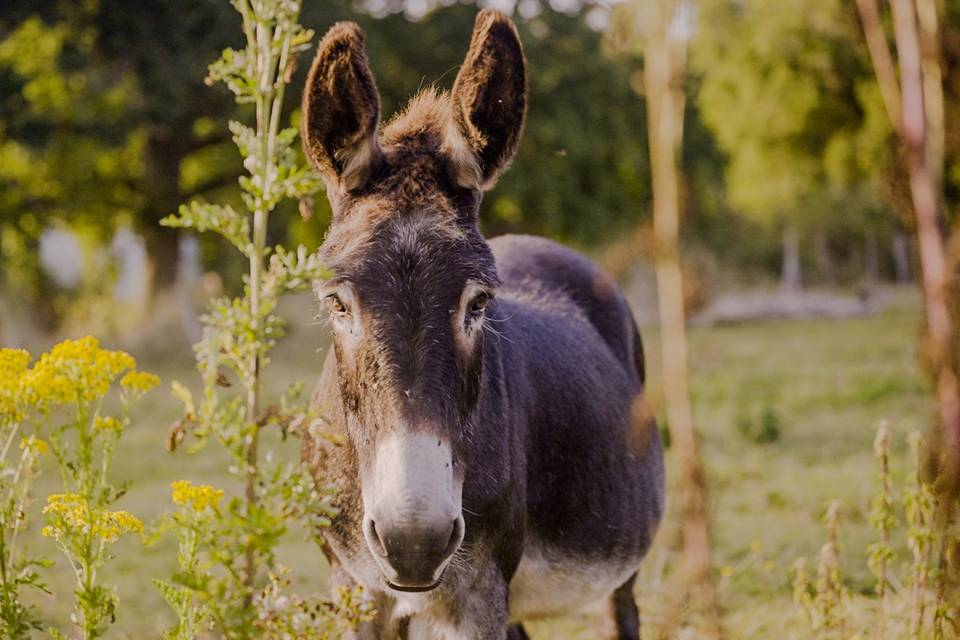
762 429
911 599
229 576
55 408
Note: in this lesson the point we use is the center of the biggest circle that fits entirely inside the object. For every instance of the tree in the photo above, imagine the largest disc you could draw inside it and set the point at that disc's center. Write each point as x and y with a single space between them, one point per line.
916 110
64 152
662 29
792 101
105 111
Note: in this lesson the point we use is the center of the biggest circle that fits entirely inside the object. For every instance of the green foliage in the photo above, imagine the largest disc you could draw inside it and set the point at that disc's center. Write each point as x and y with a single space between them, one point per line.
762 429
791 99
923 605
55 407
229 575
65 154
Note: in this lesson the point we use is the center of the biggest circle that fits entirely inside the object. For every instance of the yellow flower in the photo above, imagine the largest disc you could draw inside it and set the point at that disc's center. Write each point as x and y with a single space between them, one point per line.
34 444
197 496
726 571
107 423
13 368
140 381
110 525
71 513
69 509
75 371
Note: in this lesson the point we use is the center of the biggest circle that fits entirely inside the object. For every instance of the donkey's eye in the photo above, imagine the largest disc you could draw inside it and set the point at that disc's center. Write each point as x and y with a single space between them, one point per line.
336 304
479 303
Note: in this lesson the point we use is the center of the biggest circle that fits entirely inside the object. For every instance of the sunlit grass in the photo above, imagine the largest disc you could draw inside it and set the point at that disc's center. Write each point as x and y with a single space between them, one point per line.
828 381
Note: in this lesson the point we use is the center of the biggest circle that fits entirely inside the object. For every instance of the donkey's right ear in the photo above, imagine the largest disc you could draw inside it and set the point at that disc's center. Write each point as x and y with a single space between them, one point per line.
489 101
341 110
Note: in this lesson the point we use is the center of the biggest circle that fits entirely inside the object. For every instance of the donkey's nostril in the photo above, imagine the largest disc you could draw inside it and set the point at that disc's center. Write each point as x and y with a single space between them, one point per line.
375 535
456 537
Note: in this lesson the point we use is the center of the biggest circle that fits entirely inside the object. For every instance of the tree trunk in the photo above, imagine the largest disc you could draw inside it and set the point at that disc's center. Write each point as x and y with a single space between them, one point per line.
790 271
871 260
168 298
901 257
664 61
164 153
824 259
10 336
919 124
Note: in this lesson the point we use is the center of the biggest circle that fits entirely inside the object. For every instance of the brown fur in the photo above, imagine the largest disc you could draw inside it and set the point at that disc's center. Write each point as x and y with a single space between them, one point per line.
341 109
489 91
476 128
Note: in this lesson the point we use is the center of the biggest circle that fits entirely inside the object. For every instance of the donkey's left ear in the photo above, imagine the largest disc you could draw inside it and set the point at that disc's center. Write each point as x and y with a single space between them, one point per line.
489 102
341 110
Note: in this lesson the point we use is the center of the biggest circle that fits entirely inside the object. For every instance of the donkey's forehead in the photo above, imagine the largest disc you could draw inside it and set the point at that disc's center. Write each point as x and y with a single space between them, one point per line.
374 222
418 245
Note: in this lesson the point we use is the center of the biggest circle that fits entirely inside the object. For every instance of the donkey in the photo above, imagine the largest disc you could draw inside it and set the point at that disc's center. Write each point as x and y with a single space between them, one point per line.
496 460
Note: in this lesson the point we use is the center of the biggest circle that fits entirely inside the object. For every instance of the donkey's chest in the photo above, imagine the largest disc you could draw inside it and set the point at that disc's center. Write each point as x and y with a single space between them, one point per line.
549 583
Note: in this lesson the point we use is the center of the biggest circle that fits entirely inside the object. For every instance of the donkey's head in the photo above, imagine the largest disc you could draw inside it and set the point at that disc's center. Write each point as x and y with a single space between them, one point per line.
414 278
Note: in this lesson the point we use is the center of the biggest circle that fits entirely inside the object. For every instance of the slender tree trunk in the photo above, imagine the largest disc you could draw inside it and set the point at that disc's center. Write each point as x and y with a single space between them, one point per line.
919 124
790 271
823 258
871 260
164 153
10 336
901 257
663 78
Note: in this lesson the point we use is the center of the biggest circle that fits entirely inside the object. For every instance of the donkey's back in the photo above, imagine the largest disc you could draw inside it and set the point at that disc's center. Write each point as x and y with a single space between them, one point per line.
594 457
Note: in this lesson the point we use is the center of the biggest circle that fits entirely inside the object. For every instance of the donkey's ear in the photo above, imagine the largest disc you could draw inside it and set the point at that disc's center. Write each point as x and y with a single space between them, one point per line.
489 101
341 110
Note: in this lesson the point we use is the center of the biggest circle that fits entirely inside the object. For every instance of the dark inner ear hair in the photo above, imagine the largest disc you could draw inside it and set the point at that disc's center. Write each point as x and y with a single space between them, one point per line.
490 93
341 107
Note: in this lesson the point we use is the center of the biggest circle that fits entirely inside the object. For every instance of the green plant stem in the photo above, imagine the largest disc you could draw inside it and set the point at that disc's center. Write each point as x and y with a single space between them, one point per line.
20 506
6 445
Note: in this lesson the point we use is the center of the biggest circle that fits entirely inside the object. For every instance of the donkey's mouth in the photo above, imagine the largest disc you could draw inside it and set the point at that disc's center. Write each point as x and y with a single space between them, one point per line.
406 588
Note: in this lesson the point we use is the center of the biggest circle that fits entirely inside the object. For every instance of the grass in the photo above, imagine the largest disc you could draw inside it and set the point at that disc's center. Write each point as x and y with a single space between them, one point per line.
828 382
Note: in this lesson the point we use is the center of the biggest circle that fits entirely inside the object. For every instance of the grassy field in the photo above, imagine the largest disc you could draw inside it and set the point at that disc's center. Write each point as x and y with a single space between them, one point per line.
820 387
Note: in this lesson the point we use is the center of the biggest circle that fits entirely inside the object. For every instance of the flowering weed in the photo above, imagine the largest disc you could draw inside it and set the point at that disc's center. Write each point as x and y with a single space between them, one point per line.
54 408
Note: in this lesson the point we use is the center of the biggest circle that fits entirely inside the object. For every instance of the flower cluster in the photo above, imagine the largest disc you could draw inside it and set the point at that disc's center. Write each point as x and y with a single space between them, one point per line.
139 381
75 372
58 398
13 367
199 496
107 423
34 444
70 512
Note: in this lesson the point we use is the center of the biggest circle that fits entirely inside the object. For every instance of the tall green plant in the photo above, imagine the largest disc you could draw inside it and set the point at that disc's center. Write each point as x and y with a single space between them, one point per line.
914 597
228 554
56 407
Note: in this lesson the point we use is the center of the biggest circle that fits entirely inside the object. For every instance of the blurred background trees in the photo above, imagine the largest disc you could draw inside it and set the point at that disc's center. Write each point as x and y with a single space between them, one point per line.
793 171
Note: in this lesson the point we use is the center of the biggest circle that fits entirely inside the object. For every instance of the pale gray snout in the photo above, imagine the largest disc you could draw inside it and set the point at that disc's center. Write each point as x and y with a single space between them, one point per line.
412 522
413 558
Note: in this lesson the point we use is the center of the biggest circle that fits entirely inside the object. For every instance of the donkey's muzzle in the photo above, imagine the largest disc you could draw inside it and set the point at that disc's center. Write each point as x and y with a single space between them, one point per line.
413 558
